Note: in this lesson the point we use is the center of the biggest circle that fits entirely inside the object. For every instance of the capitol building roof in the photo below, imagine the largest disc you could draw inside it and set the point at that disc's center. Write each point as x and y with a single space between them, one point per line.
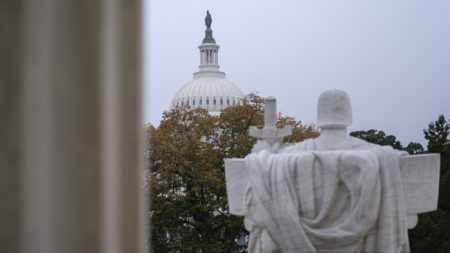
209 88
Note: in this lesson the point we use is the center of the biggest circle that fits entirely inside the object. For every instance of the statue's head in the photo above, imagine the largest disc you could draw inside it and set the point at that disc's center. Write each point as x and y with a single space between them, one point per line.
334 109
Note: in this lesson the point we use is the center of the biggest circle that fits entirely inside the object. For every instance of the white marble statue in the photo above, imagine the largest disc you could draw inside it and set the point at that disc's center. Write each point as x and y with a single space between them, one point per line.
335 193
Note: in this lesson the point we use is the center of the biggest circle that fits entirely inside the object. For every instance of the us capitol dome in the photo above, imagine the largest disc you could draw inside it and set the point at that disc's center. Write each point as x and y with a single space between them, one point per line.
209 88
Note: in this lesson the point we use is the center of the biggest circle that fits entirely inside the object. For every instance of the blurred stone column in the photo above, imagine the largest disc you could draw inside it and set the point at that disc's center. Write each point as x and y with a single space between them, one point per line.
70 175
10 107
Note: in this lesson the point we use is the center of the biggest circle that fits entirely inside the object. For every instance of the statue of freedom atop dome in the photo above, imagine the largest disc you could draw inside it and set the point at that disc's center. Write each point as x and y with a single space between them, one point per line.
208 32
208 20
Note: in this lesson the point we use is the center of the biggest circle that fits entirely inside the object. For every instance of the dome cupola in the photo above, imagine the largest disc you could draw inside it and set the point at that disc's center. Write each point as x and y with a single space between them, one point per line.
209 88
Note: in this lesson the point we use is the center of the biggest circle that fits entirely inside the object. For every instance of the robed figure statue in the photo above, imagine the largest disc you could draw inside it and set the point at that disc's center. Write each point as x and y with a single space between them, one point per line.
208 20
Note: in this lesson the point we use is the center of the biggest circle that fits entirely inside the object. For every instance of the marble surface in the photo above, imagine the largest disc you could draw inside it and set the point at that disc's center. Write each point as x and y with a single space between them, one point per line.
419 178
335 193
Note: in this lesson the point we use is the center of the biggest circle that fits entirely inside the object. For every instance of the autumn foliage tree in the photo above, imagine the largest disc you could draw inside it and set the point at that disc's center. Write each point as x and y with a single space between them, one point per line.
189 209
186 185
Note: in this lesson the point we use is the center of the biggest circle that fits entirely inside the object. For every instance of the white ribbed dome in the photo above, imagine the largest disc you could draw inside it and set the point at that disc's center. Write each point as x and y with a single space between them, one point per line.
213 93
209 89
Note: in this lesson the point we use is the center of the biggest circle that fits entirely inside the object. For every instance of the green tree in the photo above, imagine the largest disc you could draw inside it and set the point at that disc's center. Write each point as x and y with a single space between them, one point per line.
433 229
189 208
378 137
414 148
437 135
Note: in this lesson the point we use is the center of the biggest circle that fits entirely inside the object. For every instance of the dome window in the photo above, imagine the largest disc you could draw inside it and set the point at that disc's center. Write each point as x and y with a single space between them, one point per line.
193 102
214 101
200 102
207 101
182 103
228 102
233 101
221 101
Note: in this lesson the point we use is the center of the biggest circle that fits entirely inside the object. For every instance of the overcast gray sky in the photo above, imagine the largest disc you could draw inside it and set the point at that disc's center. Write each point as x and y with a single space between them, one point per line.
391 56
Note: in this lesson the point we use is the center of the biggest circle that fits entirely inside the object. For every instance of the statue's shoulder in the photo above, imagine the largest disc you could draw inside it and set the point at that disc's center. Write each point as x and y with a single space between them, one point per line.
362 144
357 143
305 145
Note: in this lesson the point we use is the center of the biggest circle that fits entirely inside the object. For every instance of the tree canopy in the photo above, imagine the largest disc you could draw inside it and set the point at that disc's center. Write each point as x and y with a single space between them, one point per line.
433 229
189 209
378 137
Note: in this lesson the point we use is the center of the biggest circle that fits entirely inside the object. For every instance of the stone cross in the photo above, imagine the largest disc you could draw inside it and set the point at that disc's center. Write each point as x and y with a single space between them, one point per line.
270 132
